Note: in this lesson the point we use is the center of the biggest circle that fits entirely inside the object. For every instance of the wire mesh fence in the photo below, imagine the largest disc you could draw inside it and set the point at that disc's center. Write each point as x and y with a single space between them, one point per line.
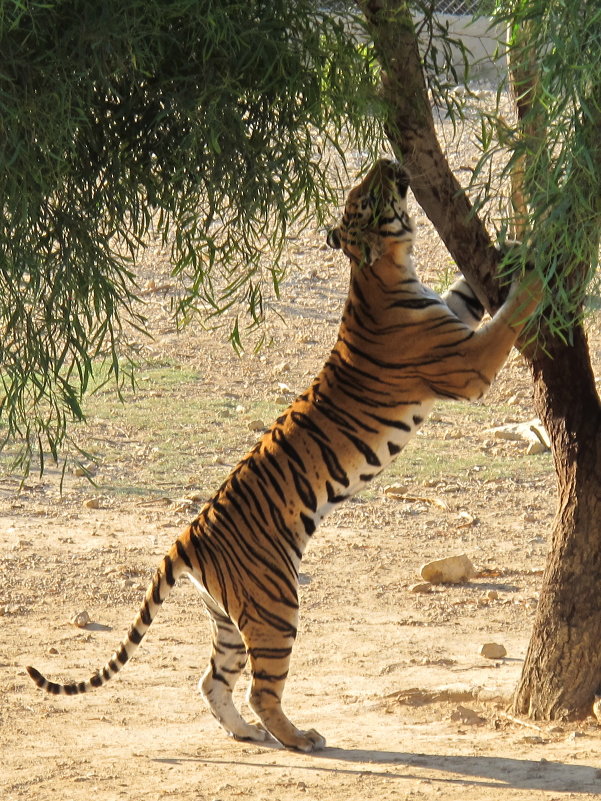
456 7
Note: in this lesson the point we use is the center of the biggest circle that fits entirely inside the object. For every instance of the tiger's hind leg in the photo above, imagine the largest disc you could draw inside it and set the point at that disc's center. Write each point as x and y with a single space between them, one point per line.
228 659
269 651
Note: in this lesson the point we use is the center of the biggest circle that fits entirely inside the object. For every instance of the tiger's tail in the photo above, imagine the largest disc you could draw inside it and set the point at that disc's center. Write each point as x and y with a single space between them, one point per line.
174 564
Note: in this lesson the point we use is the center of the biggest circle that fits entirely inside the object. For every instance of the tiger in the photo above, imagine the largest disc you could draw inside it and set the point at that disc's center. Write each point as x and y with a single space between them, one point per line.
400 347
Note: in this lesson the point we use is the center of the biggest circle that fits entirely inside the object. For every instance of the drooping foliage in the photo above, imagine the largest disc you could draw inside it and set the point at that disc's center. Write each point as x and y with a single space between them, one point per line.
208 122
553 146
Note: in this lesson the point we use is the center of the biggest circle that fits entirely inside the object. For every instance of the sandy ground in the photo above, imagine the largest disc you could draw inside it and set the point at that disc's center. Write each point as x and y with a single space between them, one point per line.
391 678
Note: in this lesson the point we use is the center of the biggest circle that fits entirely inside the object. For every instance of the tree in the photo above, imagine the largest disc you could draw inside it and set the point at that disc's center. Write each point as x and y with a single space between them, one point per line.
554 158
207 123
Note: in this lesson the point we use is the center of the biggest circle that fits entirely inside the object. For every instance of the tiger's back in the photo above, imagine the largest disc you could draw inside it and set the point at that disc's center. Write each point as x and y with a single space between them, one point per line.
399 347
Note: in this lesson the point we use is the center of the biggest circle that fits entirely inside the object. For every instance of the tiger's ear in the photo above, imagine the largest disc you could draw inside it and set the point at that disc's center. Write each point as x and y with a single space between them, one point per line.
333 238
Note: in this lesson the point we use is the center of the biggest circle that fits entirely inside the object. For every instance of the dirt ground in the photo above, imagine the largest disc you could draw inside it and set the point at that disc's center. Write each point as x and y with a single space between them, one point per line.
392 678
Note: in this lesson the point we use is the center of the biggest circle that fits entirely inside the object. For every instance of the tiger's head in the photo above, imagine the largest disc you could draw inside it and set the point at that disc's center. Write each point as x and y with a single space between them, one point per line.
375 221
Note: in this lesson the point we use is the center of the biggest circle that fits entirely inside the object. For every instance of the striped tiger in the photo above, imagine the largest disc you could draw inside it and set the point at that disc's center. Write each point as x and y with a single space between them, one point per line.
400 347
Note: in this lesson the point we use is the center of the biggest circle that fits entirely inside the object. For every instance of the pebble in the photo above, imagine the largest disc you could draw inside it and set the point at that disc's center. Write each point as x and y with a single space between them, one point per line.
256 425
421 588
395 489
80 619
92 503
450 570
464 714
493 650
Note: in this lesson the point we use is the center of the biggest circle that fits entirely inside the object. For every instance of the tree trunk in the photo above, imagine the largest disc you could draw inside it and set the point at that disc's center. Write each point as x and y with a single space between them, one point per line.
562 672
413 138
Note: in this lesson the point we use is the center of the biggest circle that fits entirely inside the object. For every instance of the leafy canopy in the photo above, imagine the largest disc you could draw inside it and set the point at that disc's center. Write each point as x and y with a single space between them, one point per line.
208 121
552 148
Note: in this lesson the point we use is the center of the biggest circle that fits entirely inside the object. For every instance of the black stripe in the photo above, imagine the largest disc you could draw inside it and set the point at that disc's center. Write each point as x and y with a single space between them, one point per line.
391 423
472 303
302 420
269 653
332 496
271 677
122 655
134 636
181 552
169 571
156 590
217 676
332 464
363 448
304 489
417 419
308 524
145 613
279 437
416 303
96 680
393 448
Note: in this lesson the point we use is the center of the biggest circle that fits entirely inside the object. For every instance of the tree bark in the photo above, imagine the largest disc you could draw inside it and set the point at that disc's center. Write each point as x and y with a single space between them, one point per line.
412 135
562 671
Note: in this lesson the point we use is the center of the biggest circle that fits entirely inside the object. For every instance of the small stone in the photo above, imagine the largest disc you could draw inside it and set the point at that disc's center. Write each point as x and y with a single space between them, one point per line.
83 470
493 650
92 503
395 490
52 650
450 570
492 595
464 714
256 425
421 588
534 448
80 619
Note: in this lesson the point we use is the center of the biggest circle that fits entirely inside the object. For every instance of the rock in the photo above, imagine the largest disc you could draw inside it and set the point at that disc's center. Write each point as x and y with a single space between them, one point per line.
492 595
80 619
84 470
92 503
493 650
597 707
421 588
256 425
450 570
395 490
464 714
531 432
534 448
